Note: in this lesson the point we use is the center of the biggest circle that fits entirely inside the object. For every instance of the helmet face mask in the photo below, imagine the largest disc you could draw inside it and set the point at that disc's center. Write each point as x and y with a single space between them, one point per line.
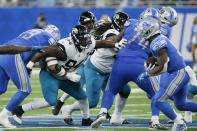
168 16
148 27
53 30
119 19
81 37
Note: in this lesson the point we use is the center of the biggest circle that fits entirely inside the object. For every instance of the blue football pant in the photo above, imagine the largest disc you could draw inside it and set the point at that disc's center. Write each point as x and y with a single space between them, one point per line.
173 85
50 86
12 67
96 80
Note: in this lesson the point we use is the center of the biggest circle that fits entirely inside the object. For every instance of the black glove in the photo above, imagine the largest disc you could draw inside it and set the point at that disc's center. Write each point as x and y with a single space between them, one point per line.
29 71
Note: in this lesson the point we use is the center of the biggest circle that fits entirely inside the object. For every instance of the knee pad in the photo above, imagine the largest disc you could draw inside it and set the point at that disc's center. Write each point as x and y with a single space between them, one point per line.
51 101
124 94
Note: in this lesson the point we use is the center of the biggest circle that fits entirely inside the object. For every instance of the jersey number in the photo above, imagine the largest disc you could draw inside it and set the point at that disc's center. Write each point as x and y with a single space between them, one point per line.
30 34
72 63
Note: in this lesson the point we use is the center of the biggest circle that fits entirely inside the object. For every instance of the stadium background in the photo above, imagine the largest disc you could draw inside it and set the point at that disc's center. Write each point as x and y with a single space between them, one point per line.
17 16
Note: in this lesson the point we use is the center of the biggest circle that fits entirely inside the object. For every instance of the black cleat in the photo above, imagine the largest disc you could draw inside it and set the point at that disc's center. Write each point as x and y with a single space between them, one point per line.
126 122
108 116
57 107
86 122
158 126
69 121
17 114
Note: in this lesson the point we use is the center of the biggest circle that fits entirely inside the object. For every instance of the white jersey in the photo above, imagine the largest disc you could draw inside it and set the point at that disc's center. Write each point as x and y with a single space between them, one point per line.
74 57
103 58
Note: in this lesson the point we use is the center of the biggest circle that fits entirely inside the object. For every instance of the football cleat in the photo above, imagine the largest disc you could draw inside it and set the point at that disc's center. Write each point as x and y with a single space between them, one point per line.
17 114
118 121
158 126
4 119
69 121
86 122
57 107
99 120
179 127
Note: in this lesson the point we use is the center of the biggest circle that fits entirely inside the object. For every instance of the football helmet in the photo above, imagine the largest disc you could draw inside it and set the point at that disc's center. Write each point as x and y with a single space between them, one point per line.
148 27
80 37
86 17
169 16
149 12
119 19
53 30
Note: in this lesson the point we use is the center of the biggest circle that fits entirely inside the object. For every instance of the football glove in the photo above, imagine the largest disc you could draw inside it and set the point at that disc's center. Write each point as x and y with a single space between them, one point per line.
120 45
38 48
149 67
72 76
29 67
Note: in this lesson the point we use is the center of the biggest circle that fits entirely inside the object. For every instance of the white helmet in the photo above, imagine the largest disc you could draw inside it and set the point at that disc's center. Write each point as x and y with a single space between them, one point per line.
169 16
149 12
53 30
148 27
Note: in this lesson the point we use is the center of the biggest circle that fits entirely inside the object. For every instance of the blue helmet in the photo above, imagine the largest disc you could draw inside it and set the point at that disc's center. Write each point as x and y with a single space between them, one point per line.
149 12
148 27
169 16
53 30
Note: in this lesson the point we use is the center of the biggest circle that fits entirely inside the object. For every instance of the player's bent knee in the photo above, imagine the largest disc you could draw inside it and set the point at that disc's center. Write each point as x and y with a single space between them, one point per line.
51 101
2 91
124 94
93 104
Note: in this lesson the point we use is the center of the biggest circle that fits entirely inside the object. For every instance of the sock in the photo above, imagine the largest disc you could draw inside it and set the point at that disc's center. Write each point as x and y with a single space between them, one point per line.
107 100
178 119
103 110
119 105
64 97
84 106
18 97
35 105
155 119
4 112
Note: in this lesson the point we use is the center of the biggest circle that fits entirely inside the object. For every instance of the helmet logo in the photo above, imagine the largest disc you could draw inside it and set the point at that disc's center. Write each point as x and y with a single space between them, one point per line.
75 30
117 16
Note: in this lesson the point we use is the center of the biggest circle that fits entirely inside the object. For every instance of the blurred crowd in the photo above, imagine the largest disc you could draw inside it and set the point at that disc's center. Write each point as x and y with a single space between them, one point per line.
94 3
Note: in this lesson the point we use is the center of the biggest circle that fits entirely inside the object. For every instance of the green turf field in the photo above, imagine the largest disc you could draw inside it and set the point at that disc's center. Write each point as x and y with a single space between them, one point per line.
137 105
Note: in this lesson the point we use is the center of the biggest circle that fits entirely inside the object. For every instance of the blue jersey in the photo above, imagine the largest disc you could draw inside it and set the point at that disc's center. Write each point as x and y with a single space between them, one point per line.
33 37
136 47
176 61
165 30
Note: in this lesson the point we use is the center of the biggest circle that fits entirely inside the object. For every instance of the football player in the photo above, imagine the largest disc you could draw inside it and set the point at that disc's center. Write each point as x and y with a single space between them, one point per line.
13 66
131 57
98 67
59 74
88 20
173 83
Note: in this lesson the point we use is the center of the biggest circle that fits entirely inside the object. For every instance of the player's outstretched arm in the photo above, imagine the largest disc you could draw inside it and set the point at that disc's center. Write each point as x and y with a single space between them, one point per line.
162 59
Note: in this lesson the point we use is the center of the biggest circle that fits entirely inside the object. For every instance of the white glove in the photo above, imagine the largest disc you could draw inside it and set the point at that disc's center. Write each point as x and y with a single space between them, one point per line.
120 44
73 76
195 67
192 75
149 67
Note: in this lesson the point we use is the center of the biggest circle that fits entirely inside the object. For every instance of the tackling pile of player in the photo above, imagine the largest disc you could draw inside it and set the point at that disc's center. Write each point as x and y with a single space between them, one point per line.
122 47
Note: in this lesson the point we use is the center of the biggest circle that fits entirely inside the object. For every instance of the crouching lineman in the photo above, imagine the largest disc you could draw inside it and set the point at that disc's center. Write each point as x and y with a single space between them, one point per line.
13 66
60 74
